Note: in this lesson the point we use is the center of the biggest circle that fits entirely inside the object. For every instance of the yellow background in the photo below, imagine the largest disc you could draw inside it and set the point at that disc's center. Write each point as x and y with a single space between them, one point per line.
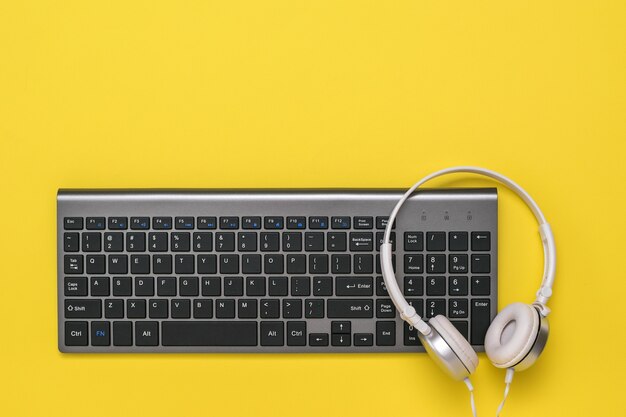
317 94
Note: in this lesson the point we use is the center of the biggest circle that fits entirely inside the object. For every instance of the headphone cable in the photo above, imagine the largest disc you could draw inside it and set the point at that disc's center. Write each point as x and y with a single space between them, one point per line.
507 380
470 387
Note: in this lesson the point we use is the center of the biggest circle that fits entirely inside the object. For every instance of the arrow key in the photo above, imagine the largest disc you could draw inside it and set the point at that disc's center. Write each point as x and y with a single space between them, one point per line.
340 340
318 339
340 327
363 339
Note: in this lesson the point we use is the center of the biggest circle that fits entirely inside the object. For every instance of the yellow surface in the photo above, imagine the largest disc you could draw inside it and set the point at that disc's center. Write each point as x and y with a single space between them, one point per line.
316 94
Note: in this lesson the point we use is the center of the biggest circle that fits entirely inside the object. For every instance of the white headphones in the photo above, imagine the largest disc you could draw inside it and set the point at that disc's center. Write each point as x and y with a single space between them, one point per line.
519 332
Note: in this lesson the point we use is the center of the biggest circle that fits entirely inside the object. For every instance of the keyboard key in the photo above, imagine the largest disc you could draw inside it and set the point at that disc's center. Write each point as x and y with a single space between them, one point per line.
139 223
209 333
122 286
457 264
314 308
272 333
233 286
341 264
435 307
75 286
336 241
296 264
363 339
385 333
457 286
380 237
95 264
292 242
180 242
181 309
381 288
270 242
251 264
83 309
270 309
340 222
99 286
296 223
340 339
157 309
229 222
314 241
144 287
95 223
277 286
114 242
100 333
457 241
413 241
91 241
363 264
247 308
292 308
274 222
273 264
157 242
363 222
147 333
481 241
436 286
381 222
413 286
318 222
225 309
255 286
207 264
246 242
322 286
480 320
481 264
462 327
118 223
182 223
203 241
162 223
296 333
166 286
436 241
207 222
318 339
225 242
343 327
436 264
350 308
135 242
361 241
140 264
71 242
118 264
414 264
318 264
410 335
300 286
114 309
202 309
184 264
73 223
458 308
73 264
481 285
76 333
211 286
136 309
122 333
385 309
251 222
353 286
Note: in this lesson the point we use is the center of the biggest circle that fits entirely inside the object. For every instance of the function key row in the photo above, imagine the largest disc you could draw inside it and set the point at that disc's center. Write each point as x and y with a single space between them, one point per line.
225 223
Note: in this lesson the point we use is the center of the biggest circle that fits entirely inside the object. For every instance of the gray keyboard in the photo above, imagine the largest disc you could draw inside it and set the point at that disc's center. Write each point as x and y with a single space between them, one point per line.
268 270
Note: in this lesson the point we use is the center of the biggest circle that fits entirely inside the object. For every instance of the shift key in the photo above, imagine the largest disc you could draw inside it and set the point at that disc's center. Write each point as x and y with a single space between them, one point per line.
83 309
350 309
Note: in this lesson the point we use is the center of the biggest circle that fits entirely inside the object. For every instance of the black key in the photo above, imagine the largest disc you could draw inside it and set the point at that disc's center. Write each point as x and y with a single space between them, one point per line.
296 264
76 333
457 286
229 222
343 327
136 309
83 309
336 241
225 309
188 286
162 264
381 288
146 333
481 285
436 241
157 309
184 264
413 241
322 286
207 222
457 308
247 309
96 223
246 241
209 333
233 286
361 241
385 333
122 286
296 222
417 304
136 242
414 263
363 339
350 308
118 223
273 264
436 286
277 286
457 241
75 286
363 222
354 286
270 242
73 223
457 264
275 222
300 286
481 264
144 287
91 241
292 242
480 321
255 286
434 307
272 333
179 242
270 309
314 309
296 333
318 339
181 309
251 222
100 333
162 223
435 264
292 308
481 241
71 242
318 264
211 286
114 309
203 241
314 241
114 242
410 336
184 223
207 264
139 223
340 222
380 237
73 264
385 309
166 286
202 309
140 264
377 262
122 333
100 286
157 242
95 264
318 222
340 264
413 286
340 339
363 264
462 327
381 222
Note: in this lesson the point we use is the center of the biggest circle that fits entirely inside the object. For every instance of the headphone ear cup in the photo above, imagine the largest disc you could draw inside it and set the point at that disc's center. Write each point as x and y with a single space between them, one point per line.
459 345
512 334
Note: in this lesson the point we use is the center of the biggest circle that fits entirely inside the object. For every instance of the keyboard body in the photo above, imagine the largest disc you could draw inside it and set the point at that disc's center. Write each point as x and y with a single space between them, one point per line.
268 270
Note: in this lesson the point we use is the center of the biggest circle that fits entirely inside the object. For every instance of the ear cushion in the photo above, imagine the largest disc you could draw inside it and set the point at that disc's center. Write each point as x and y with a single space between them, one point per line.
456 341
512 334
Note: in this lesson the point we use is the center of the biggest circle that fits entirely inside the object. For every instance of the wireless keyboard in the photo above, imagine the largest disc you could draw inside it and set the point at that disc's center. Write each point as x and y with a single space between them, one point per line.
268 270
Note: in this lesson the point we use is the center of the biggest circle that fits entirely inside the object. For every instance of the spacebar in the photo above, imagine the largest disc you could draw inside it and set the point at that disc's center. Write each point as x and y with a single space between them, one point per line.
209 333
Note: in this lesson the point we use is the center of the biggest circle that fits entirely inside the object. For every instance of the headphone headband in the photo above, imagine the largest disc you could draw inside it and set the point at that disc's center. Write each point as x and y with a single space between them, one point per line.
407 312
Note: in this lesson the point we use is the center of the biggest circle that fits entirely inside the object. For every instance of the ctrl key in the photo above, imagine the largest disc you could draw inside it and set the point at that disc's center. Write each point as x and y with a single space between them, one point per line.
76 333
